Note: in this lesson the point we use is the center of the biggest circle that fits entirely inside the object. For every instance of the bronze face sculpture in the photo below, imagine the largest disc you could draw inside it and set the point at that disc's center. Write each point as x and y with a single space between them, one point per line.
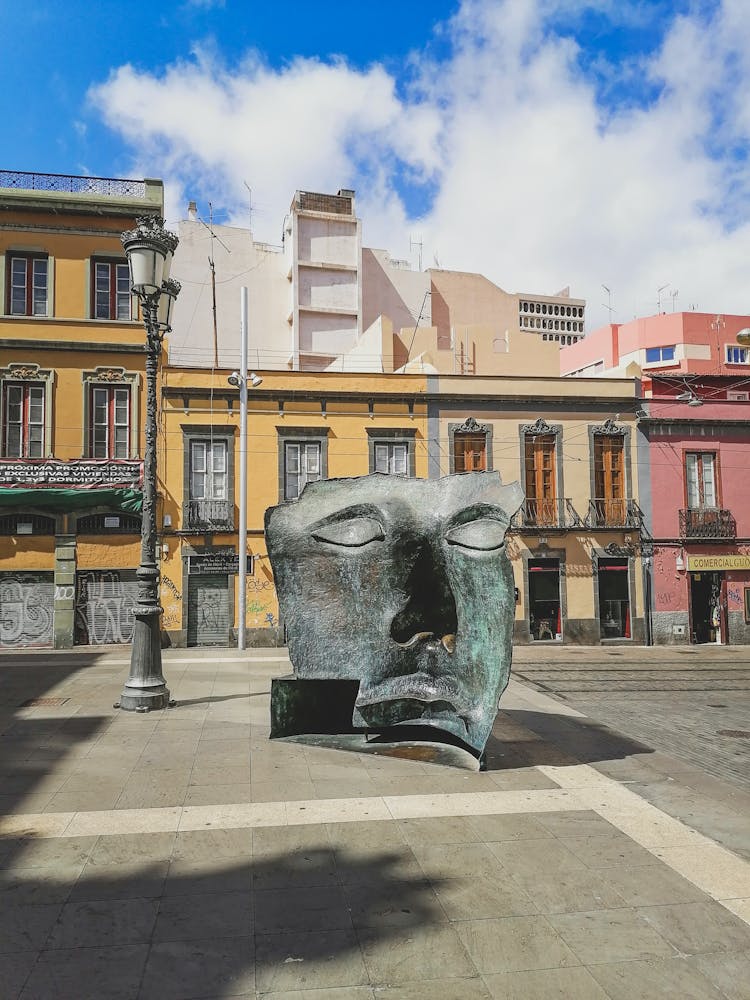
403 585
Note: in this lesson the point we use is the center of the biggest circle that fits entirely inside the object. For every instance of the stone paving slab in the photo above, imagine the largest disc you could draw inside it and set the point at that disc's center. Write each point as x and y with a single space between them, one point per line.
302 872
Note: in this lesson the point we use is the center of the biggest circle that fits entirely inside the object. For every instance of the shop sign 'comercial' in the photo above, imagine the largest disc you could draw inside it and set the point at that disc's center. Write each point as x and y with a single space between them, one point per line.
705 564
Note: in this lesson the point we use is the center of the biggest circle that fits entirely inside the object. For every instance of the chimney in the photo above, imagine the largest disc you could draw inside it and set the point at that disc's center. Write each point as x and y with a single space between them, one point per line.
192 211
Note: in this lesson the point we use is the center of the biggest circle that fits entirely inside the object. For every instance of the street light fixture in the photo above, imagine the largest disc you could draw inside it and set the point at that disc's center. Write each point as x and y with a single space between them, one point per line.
149 249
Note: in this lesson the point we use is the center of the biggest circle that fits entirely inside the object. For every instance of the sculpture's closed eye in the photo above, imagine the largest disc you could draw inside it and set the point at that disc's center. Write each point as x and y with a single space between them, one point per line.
351 533
485 534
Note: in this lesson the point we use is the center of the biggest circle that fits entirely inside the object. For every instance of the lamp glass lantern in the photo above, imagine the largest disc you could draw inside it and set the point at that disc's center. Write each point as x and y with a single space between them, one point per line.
149 249
170 289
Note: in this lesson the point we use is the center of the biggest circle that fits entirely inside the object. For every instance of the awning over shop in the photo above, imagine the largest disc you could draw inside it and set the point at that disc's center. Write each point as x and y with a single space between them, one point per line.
65 500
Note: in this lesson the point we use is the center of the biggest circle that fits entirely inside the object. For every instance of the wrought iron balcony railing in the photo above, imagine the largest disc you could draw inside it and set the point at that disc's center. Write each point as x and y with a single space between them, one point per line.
607 513
707 522
213 515
110 187
546 515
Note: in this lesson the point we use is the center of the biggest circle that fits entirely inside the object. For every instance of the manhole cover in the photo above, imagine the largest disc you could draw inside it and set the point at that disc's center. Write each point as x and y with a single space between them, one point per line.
45 702
739 734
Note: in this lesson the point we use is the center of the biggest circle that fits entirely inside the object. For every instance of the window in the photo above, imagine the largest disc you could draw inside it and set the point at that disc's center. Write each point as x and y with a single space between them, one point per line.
392 450
392 459
470 446
609 479
27 285
23 419
656 354
109 427
737 396
208 475
737 355
541 479
470 453
109 524
111 290
302 457
700 470
208 470
301 466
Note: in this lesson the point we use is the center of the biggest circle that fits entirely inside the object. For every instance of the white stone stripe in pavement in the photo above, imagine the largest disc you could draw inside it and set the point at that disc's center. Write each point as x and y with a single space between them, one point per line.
715 870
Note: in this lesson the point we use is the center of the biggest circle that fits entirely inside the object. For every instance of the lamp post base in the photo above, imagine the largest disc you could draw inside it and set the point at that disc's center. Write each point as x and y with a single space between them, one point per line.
145 689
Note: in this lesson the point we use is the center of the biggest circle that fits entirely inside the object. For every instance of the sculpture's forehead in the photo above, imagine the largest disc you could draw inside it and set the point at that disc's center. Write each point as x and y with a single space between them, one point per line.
419 501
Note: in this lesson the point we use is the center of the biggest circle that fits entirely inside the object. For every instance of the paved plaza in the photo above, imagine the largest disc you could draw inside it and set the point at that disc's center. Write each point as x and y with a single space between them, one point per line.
604 853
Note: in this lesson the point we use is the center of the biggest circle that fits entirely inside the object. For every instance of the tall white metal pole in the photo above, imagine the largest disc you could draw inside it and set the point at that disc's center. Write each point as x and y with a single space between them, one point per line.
243 472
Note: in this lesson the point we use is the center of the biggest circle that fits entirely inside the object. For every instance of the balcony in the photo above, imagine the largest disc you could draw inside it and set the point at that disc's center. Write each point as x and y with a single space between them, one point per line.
707 523
606 513
209 515
546 515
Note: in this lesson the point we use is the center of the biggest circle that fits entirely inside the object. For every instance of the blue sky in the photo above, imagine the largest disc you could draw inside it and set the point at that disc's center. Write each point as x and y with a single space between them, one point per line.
542 142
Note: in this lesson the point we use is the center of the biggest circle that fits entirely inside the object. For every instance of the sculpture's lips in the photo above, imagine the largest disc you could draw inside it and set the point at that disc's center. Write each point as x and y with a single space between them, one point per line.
418 687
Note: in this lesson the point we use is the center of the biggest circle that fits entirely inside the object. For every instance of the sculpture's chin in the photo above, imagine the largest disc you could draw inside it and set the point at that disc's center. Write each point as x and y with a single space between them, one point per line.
436 715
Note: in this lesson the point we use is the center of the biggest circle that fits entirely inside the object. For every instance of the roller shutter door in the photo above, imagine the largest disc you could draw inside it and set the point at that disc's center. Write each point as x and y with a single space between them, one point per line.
27 605
104 606
208 611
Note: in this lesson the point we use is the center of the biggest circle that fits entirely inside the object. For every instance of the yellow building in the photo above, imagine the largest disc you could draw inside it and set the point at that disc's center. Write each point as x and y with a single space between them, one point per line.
574 544
301 427
71 401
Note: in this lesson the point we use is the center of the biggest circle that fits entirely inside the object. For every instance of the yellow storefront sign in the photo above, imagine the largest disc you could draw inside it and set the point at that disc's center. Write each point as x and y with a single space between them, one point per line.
708 563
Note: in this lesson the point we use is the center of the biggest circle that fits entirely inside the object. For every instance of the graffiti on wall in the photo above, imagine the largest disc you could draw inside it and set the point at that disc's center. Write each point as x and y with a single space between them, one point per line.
171 602
104 607
261 599
26 610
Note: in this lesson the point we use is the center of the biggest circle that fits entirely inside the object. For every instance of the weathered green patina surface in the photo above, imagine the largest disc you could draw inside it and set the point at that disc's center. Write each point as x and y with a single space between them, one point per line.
405 586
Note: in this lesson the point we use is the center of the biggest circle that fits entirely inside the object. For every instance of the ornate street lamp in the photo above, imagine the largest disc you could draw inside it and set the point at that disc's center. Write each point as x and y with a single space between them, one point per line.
149 248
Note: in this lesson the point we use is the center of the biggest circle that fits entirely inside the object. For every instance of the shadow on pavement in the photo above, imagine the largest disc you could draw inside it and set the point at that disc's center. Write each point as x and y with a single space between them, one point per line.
563 739
31 746
198 927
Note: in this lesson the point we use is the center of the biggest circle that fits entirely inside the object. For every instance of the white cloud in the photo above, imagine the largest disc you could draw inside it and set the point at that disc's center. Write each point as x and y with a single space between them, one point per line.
537 184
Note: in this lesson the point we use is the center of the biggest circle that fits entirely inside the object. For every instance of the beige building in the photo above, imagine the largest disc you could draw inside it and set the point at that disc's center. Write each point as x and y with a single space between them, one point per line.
574 544
320 301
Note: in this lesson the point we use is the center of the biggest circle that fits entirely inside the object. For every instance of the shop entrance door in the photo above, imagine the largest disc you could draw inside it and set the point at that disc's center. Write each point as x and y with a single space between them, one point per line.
208 611
705 607
545 616
614 599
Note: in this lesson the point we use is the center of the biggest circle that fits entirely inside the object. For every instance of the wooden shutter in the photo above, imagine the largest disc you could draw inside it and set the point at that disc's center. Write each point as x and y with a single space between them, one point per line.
609 478
541 484
470 452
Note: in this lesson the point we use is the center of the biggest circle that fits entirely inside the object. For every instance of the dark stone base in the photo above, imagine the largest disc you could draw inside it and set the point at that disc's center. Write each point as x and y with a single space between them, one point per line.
388 745
739 629
310 706
662 628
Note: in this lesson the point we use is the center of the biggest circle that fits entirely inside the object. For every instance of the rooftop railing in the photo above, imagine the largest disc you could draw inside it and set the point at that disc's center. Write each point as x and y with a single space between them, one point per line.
109 187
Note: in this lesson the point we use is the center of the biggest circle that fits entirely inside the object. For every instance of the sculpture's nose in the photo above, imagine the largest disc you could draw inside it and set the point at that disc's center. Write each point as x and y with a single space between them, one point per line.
431 608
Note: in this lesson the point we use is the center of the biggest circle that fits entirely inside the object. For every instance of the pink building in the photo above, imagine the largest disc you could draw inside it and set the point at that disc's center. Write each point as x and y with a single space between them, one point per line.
693 452
685 343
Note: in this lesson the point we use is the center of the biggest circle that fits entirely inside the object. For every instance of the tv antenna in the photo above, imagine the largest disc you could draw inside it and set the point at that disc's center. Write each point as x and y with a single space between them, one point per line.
418 244
674 293
212 266
658 297
608 306
249 205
